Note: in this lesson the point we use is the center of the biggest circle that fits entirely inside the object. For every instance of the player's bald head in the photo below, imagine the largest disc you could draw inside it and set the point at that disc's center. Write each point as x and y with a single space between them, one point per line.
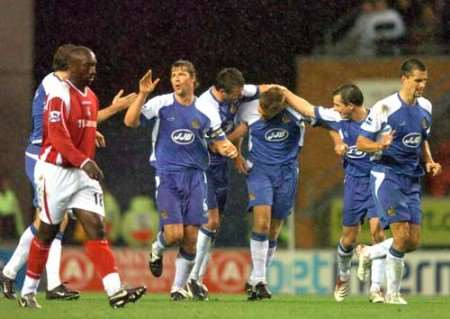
62 56
80 53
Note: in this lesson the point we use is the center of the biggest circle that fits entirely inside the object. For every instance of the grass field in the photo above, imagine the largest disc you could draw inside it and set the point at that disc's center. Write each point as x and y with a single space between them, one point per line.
231 306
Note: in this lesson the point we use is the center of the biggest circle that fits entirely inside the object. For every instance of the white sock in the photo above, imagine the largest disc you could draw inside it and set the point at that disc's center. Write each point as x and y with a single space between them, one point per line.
20 256
30 285
160 245
394 272
378 274
204 243
53 263
183 267
259 246
380 249
271 252
111 283
344 262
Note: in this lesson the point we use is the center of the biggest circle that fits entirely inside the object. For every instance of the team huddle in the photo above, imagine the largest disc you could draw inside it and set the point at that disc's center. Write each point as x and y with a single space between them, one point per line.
193 140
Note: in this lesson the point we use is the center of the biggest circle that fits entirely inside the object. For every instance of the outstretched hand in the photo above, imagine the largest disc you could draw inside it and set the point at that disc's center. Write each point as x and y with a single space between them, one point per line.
146 83
120 102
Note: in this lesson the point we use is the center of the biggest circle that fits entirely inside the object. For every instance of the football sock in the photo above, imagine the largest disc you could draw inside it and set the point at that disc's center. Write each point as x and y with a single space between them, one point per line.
36 263
159 245
20 256
259 246
183 267
101 256
204 244
271 252
344 261
380 250
378 274
53 263
394 270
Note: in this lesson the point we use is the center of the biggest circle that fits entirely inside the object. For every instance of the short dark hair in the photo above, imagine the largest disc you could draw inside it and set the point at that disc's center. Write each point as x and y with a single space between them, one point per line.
229 78
61 57
187 65
272 101
350 94
410 65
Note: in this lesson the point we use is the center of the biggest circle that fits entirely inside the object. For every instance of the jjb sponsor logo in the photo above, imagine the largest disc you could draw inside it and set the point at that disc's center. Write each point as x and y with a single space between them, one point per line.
276 135
355 153
54 116
182 136
412 140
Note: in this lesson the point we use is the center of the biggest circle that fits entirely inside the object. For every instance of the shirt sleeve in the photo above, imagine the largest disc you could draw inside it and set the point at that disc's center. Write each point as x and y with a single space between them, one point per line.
375 121
59 135
327 117
250 92
151 109
248 113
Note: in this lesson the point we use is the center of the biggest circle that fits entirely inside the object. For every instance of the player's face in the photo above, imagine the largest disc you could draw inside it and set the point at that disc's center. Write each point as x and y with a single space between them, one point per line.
415 83
233 95
84 69
182 82
345 110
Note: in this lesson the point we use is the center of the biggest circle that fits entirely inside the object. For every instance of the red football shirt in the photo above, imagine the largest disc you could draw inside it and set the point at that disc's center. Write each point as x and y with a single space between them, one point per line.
70 124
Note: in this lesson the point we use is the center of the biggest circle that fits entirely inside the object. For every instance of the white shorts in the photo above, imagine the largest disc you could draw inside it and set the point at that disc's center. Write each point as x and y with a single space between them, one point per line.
60 188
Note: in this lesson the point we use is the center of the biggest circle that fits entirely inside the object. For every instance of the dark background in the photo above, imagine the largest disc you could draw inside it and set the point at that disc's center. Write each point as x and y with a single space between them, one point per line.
261 38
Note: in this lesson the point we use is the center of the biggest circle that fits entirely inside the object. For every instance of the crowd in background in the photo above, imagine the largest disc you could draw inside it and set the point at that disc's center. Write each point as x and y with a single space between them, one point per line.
381 27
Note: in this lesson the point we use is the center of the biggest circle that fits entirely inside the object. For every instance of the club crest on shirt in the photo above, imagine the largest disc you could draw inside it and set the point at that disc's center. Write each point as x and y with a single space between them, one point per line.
233 108
285 119
251 196
195 124
391 211
164 214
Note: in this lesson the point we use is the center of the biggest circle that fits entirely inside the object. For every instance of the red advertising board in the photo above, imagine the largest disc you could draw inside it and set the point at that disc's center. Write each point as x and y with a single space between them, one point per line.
228 270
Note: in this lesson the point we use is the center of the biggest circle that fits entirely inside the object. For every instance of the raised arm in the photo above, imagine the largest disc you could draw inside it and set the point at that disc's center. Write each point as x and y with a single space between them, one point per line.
119 103
297 103
146 86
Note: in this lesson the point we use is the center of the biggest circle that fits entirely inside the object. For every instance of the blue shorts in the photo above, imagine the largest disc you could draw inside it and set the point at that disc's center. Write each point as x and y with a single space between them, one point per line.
358 201
275 186
397 197
31 157
217 178
181 197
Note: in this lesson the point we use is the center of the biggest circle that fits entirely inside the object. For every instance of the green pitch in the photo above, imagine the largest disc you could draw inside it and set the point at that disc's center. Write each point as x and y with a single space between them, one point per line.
153 306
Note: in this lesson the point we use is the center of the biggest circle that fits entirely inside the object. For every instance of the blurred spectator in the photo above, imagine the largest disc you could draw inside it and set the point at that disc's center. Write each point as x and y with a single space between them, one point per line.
11 222
378 29
425 34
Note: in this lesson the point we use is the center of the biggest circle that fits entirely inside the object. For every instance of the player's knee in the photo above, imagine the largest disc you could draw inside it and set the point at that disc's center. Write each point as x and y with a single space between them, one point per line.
412 245
173 238
213 224
262 227
47 233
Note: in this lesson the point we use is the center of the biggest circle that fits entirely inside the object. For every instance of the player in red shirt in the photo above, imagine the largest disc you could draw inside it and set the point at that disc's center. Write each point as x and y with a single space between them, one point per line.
67 177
